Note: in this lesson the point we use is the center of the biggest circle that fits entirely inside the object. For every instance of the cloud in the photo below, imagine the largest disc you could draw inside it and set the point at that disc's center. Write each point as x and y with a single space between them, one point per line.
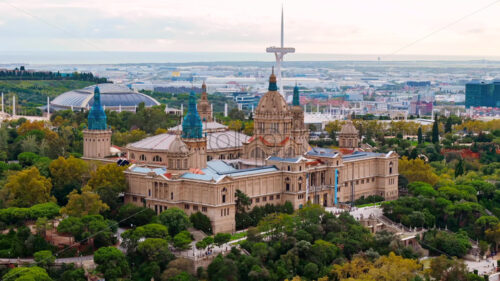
315 26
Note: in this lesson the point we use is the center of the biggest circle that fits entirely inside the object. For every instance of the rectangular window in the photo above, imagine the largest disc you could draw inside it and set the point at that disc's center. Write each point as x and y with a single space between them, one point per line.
195 208
271 198
204 209
278 196
257 200
186 206
264 198
134 198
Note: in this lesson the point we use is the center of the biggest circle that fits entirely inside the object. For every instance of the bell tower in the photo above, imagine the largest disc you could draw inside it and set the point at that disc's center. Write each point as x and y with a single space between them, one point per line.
97 136
204 107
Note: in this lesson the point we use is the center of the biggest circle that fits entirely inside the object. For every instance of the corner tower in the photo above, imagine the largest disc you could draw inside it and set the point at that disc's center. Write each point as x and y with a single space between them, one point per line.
97 136
300 134
349 136
204 107
192 135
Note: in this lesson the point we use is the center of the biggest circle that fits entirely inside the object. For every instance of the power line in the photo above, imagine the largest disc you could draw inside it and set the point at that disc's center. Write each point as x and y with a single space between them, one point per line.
60 28
444 27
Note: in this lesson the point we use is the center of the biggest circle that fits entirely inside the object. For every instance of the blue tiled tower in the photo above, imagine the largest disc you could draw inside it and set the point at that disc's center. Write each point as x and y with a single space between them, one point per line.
191 126
97 117
296 96
192 136
97 136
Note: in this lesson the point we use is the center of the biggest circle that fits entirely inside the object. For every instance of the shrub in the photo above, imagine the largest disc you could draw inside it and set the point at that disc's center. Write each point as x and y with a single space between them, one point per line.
201 222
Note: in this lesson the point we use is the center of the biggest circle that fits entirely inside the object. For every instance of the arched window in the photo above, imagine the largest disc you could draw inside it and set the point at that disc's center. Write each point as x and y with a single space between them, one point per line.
390 168
157 158
257 153
300 183
287 184
224 193
142 157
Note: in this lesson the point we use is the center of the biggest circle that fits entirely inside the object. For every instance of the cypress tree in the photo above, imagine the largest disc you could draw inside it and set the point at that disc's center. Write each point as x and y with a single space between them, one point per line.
447 125
459 168
435 131
419 135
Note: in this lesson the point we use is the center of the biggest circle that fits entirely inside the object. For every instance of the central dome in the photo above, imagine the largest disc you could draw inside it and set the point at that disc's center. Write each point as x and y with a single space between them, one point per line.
272 103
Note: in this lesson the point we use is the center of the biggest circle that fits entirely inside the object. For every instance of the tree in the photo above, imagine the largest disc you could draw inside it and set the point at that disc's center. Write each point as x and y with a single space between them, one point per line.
448 125
311 271
86 203
33 273
182 240
222 269
26 188
419 135
222 238
388 268
178 270
67 175
27 158
418 188
175 219
459 168
72 273
417 170
71 225
446 269
112 263
109 175
235 114
42 224
130 214
131 237
493 235
235 125
44 258
242 201
435 131
201 222
155 250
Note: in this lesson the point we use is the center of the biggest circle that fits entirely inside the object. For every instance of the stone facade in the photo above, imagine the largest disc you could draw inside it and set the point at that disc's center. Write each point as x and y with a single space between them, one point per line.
198 170
349 136
96 143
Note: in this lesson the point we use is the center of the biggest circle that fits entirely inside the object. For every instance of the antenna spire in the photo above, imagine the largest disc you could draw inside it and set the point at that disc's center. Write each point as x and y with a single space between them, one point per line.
282 28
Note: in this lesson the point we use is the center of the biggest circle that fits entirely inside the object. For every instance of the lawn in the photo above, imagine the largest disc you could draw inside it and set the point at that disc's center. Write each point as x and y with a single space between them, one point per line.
238 235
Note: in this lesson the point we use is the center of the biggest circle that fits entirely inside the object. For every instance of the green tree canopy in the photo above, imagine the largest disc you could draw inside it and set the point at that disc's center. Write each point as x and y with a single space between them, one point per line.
175 219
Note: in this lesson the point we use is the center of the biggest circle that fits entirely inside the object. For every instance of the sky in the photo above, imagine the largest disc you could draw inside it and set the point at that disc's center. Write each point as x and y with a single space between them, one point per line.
381 27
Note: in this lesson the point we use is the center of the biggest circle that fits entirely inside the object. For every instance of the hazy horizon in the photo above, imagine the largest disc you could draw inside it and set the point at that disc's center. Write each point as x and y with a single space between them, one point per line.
117 57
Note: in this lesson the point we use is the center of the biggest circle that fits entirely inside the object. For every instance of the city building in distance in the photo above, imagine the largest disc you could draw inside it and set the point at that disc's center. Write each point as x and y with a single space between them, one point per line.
482 93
